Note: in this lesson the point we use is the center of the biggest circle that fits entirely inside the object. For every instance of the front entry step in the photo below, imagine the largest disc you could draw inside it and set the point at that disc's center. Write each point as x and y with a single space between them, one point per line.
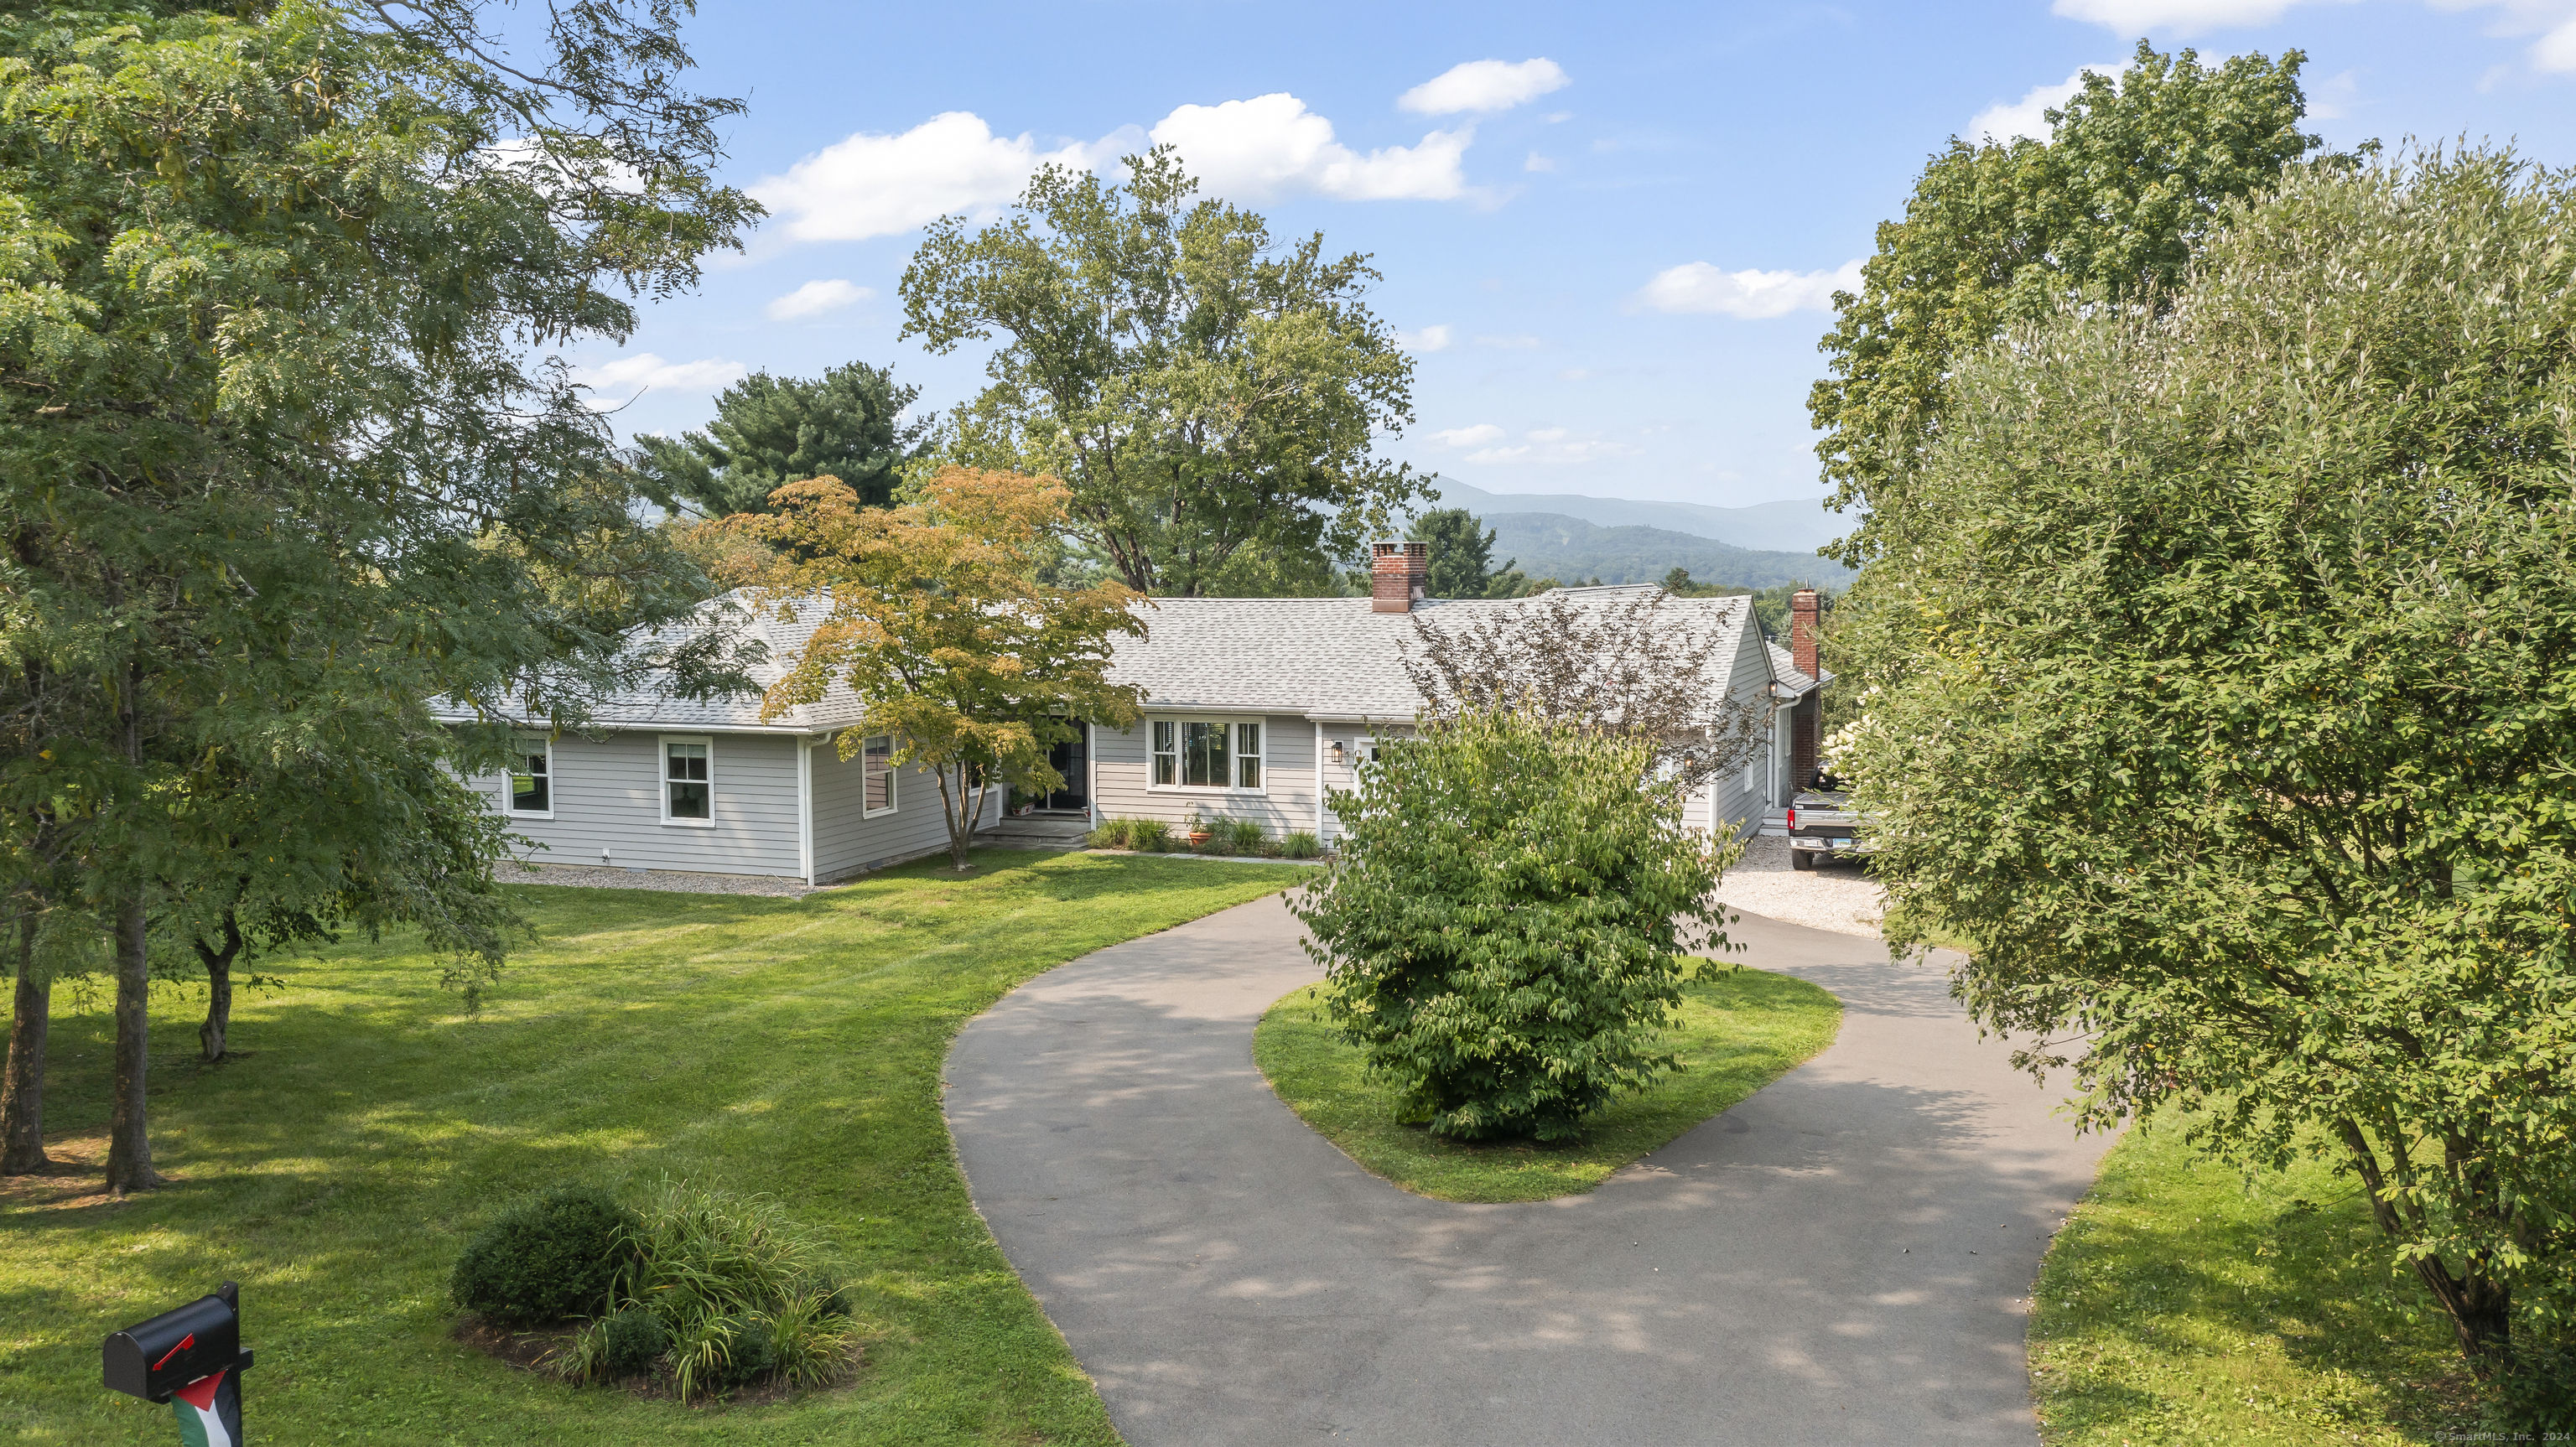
1037 831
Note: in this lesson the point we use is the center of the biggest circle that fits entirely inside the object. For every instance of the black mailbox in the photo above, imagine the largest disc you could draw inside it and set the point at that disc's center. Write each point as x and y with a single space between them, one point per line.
155 1358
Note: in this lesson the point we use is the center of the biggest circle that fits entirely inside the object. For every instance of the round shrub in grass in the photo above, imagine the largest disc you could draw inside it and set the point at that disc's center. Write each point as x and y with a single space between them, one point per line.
547 1259
1504 927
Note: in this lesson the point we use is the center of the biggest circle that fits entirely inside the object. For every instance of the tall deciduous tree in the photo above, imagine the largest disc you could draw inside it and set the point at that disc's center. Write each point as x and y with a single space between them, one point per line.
2135 169
2222 708
1201 390
933 615
275 465
774 430
1462 556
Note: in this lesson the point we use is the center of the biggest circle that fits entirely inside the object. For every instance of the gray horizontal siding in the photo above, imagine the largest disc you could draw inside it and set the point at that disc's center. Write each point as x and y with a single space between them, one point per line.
1121 759
608 796
846 841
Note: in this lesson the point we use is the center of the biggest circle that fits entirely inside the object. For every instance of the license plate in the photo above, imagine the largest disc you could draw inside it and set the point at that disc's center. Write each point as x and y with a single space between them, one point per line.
1838 844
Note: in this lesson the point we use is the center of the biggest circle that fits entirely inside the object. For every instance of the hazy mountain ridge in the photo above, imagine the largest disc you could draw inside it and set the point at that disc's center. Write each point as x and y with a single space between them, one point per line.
1570 550
1793 527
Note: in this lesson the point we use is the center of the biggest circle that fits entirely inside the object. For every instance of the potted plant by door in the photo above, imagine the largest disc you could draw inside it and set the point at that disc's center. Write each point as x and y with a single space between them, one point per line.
1196 828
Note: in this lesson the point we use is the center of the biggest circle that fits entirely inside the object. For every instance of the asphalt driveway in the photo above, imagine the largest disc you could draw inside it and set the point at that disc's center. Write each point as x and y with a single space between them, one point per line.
1843 1258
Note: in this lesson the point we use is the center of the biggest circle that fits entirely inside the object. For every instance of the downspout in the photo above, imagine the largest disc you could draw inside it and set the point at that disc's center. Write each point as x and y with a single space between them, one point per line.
805 807
1322 836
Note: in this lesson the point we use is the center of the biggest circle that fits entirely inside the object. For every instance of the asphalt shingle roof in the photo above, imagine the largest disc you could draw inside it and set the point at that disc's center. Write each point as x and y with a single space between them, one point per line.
1334 657
1328 657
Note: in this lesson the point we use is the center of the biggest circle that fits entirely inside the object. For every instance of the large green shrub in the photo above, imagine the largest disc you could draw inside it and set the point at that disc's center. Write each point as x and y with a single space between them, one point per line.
547 1259
1504 925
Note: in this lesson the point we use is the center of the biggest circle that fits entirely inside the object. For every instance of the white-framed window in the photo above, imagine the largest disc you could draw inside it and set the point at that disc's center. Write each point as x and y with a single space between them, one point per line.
688 781
1206 754
528 789
877 763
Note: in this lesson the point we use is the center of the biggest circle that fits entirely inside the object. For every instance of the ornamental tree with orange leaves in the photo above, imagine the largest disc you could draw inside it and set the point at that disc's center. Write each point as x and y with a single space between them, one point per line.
933 616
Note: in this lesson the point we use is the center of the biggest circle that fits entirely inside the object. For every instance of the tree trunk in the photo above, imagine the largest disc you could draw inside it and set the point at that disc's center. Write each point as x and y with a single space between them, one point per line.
960 817
129 1147
22 1090
219 989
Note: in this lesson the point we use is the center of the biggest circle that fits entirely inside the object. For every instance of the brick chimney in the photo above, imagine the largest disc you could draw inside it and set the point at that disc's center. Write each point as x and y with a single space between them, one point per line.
1397 573
1807 719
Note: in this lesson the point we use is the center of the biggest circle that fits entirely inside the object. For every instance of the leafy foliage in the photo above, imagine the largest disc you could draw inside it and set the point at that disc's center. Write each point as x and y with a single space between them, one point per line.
932 612
1462 556
734 1289
2223 708
2135 171
770 431
546 1260
276 466
1504 928
1206 394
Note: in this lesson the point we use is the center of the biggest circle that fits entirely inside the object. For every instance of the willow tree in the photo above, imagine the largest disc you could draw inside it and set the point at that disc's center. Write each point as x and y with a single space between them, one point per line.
2222 709
282 456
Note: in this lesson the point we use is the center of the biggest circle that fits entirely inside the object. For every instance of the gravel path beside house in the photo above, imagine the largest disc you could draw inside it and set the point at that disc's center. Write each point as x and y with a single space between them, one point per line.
1836 896
591 876
1844 1258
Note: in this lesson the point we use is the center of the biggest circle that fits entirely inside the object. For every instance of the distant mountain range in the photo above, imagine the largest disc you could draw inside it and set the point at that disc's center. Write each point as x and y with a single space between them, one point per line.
1571 550
1795 527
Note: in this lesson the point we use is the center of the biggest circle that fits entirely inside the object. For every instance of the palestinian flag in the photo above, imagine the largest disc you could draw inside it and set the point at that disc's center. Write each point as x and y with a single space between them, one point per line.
209 1411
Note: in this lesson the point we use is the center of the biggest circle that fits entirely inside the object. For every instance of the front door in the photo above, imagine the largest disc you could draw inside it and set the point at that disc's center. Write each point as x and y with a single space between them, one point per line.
1072 759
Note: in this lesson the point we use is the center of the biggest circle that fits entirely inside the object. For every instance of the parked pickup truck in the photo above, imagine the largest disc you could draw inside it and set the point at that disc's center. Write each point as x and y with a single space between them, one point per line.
1821 823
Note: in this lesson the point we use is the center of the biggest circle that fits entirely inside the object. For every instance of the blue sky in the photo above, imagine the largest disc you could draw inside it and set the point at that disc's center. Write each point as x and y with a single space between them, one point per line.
1608 239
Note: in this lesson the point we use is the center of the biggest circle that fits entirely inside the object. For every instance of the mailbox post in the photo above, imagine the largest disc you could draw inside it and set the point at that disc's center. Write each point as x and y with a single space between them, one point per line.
191 1357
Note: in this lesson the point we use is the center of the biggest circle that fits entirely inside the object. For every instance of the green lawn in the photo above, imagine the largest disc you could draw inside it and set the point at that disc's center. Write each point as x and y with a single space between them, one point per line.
786 1046
2178 1308
1740 1028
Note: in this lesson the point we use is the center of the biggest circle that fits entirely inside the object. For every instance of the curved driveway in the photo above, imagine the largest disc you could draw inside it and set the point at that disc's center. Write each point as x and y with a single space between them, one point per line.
1843 1258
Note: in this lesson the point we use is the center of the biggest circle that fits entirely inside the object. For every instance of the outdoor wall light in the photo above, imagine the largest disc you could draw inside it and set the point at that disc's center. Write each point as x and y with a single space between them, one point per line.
1337 751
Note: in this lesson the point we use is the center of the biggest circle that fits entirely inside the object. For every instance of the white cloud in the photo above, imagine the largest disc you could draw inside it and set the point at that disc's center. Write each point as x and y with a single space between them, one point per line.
627 378
1249 149
1537 162
2332 99
876 185
815 298
1429 339
2183 17
1483 85
2553 21
1700 287
1553 444
2027 117
1476 436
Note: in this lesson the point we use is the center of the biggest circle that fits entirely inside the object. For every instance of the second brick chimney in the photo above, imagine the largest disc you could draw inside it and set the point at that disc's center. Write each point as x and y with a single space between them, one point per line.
1398 573
1807 718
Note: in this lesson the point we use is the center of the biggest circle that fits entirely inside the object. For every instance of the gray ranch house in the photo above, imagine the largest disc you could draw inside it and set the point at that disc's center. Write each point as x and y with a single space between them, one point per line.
1254 709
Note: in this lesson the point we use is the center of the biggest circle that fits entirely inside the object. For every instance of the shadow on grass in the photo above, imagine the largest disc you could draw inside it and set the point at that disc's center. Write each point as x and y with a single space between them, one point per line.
2183 1304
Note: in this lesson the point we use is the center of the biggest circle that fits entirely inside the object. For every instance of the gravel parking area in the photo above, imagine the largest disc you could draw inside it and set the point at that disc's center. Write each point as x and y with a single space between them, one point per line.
591 876
1833 896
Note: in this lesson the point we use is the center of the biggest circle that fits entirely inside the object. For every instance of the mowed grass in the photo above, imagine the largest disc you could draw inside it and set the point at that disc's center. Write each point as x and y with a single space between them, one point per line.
370 1126
1739 1030
2179 1308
